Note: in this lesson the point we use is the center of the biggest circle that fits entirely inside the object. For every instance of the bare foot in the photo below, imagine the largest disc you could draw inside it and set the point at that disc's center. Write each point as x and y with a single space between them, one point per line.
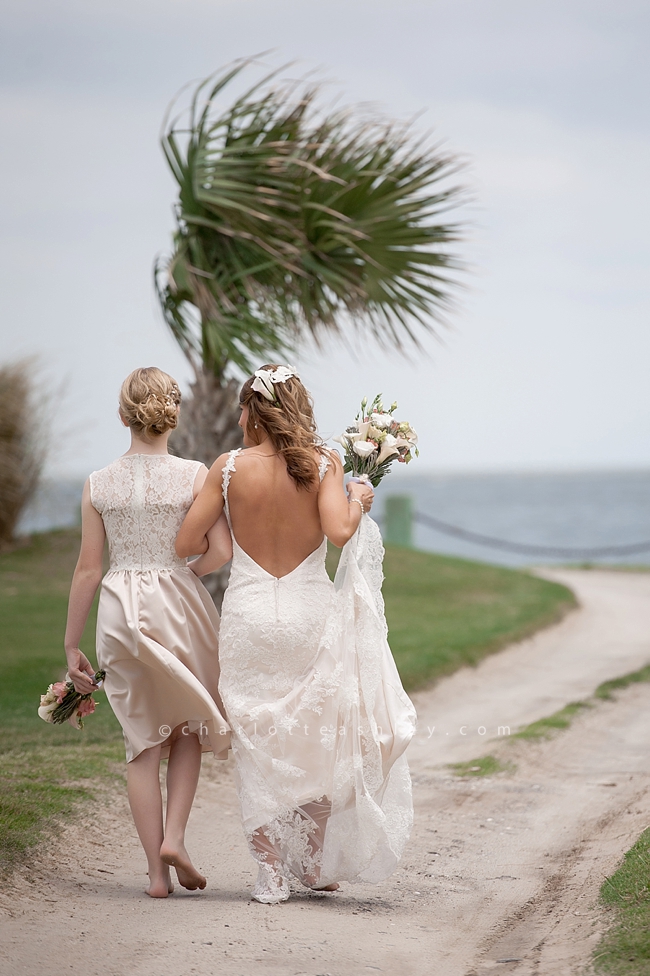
188 876
159 888
311 881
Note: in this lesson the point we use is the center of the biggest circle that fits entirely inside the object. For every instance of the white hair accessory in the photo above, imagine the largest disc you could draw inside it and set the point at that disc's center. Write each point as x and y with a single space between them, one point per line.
266 378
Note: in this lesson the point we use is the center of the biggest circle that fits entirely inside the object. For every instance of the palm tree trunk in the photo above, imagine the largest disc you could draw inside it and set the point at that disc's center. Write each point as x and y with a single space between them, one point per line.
208 427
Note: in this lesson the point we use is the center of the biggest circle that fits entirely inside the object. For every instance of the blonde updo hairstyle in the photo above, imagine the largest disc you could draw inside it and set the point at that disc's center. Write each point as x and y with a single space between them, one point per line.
289 423
149 402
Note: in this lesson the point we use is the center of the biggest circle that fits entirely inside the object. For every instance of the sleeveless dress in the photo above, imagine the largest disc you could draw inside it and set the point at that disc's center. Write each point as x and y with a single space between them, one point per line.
319 717
157 627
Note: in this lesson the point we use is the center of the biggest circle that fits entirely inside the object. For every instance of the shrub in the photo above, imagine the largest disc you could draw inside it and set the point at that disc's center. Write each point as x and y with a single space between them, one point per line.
22 442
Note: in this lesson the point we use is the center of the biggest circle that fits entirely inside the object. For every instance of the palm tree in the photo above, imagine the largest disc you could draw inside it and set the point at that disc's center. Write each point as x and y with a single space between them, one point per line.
295 222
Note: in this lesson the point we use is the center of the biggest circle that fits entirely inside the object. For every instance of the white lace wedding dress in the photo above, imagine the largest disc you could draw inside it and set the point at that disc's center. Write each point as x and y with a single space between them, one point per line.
157 627
319 718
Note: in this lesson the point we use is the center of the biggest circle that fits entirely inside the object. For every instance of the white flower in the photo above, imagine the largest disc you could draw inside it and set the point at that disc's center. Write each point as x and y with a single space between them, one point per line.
264 384
409 433
388 448
265 378
381 420
45 711
363 448
283 373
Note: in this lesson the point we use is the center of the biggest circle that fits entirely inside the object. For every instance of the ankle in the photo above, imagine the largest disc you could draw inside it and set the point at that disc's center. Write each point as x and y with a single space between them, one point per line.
173 842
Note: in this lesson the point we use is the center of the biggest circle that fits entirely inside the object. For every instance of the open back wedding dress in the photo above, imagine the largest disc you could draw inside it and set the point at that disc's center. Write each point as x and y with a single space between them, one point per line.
157 627
319 717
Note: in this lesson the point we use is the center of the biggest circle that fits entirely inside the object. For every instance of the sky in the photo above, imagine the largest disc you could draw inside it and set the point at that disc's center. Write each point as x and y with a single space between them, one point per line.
543 366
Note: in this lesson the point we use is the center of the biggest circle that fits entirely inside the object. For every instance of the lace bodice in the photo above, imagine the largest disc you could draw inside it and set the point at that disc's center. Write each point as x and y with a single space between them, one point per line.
143 499
301 595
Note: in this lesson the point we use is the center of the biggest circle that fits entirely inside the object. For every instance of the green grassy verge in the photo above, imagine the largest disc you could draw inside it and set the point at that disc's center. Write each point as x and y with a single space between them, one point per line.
44 770
442 613
625 949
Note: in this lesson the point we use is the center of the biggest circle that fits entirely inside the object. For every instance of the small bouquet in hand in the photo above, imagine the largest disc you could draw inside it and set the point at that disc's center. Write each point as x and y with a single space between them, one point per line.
375 440
62 703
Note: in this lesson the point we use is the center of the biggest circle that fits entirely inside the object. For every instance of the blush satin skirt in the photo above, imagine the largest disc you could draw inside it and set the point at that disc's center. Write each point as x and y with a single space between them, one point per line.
157 639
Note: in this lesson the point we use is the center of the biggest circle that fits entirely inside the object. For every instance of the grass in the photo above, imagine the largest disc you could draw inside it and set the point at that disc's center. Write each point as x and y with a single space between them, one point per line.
44 770
625 948
545 728
485 766
442 613
607 688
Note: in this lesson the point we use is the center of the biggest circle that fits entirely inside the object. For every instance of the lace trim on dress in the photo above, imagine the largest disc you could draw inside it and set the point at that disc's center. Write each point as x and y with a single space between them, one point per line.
323 466
226 474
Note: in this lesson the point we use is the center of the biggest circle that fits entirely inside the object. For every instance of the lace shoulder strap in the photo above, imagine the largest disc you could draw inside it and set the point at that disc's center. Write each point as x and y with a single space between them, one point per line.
228 469
323 466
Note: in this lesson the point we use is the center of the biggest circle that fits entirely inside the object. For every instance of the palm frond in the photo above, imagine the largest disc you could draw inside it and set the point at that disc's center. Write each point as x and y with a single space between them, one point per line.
292 221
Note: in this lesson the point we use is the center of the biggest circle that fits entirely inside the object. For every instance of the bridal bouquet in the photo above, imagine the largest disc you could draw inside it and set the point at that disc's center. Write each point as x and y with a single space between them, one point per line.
375 440
61 703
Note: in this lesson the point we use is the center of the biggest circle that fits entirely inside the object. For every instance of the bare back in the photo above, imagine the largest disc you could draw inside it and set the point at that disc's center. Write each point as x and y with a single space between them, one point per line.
274 521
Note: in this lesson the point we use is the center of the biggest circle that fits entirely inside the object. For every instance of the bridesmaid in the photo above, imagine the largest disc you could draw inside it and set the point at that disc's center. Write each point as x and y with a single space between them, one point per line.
157 628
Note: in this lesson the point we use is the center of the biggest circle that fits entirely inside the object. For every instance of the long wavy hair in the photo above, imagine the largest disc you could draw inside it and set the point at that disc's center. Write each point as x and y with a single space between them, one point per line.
289 423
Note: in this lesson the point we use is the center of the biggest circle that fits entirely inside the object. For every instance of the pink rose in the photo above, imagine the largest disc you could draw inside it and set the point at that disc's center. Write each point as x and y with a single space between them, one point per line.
60 690
86 707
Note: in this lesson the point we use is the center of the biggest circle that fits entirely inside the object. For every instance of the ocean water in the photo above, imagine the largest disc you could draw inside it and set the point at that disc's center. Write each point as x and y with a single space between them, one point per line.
577 509
584 509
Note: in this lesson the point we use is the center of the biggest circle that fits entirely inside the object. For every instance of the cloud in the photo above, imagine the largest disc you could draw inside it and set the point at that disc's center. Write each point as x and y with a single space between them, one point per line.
545 364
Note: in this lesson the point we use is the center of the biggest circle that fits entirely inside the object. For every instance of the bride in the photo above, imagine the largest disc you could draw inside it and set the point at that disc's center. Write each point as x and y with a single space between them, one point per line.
318 715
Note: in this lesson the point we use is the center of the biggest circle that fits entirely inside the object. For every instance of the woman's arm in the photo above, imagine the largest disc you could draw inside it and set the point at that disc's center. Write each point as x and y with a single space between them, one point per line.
219 549
87 577
340 514
206 510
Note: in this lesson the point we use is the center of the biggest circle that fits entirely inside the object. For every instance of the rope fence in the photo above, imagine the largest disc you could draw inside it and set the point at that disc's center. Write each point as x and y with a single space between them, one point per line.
525 549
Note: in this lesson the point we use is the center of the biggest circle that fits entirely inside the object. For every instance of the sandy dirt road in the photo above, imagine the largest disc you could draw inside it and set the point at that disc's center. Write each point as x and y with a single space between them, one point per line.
501 875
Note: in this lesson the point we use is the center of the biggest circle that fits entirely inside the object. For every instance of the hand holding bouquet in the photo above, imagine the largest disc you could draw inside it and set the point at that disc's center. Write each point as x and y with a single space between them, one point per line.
61 703
375 440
